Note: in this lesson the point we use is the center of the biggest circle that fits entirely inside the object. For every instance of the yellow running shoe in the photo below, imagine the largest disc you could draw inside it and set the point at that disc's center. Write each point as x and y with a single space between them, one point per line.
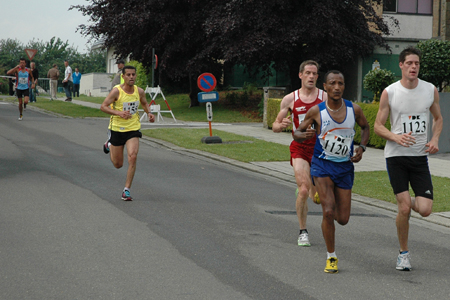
331 265
316 198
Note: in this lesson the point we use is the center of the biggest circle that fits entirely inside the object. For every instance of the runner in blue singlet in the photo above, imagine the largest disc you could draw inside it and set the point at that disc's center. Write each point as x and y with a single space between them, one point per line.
24 79
332 163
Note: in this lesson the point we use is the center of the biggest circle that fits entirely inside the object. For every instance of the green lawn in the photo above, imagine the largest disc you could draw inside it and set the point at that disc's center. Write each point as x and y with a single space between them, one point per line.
238 147
376 185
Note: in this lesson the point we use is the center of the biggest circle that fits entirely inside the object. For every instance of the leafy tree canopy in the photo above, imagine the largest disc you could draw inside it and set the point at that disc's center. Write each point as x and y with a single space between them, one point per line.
191 35
435 62
52 52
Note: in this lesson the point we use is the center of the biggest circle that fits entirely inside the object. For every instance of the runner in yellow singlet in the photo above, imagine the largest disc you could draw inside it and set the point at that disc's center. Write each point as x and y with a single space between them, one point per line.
122 104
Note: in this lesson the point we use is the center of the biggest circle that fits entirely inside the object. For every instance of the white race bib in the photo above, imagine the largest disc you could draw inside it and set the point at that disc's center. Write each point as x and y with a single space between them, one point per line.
23 80
415 123
132 107
337 145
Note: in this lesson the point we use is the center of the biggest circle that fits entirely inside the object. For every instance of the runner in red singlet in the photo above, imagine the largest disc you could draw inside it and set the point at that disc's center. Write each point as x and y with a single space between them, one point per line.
298 103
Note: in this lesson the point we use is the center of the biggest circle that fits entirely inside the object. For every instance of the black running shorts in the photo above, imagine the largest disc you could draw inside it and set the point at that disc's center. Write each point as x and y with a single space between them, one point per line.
406 170
118 138
22 93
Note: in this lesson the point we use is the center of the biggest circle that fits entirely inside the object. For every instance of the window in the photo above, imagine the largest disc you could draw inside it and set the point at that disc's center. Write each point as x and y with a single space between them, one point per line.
421 7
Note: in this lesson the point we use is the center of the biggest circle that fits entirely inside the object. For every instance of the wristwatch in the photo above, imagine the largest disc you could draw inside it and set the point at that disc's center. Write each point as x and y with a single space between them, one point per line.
363 147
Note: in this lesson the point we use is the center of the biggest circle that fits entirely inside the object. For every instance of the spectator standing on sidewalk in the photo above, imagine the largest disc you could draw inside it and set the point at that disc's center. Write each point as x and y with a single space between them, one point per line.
332 167
76 83
67 82
409 103
118 79
53 74
33 91
297 104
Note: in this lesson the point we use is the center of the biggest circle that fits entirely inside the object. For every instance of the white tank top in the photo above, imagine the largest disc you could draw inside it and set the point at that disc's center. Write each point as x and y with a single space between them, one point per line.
335 141
410 112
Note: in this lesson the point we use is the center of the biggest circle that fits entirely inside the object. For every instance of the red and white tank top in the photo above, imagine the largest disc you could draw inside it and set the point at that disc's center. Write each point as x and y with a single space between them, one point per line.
299 111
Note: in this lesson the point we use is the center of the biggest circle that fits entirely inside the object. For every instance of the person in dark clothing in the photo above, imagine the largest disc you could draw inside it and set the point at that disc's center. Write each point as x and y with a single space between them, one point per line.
33 91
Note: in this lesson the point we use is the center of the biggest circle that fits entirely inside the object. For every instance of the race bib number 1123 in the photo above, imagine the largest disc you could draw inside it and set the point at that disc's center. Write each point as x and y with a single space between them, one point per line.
417 123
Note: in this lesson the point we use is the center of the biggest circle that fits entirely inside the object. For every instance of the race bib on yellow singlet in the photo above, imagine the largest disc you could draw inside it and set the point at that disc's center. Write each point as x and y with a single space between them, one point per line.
415 123
132 107
336 144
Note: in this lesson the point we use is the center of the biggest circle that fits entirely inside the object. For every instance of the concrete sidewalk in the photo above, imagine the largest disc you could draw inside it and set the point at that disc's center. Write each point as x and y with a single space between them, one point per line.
373 159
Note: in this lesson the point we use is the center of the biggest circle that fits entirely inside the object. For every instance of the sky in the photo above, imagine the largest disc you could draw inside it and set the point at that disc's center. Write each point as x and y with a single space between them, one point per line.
44 19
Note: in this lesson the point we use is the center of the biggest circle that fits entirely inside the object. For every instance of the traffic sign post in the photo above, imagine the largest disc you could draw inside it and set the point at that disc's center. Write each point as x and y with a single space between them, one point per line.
207 82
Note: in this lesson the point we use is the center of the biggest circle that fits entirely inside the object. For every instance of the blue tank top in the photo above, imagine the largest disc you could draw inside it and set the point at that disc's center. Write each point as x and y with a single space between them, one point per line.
335 141
23 80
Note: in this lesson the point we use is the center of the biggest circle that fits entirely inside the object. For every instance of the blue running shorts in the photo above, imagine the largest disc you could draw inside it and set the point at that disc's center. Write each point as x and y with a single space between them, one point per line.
341 173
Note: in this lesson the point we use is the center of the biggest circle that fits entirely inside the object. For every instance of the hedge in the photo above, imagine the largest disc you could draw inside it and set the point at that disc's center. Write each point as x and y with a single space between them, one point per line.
370 111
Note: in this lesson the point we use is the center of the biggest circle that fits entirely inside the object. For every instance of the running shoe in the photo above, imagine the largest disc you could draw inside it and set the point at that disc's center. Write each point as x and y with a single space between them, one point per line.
126 196
106 147
20 118
316 198
331 265
303 240
404 262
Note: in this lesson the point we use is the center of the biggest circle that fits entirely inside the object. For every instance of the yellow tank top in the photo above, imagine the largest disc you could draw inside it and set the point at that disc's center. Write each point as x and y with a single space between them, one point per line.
126 102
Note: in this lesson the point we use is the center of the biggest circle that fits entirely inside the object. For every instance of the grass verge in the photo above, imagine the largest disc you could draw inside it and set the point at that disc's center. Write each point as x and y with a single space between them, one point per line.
238 147
376 185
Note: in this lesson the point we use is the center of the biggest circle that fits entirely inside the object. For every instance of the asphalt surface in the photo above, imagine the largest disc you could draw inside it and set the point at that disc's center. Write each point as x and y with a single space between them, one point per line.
201 226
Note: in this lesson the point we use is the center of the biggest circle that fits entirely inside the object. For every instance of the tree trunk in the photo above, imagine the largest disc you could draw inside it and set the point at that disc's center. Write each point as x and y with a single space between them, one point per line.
295 81
193 91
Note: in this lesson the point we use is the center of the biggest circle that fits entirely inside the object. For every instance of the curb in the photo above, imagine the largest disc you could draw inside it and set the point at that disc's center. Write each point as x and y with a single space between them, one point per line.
435 218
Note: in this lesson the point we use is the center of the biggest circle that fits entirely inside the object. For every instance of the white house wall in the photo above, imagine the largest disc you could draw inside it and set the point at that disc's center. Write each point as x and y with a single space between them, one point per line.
411 26
96 84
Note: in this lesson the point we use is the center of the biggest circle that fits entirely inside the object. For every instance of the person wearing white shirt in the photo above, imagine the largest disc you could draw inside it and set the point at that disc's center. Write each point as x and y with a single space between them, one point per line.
67 82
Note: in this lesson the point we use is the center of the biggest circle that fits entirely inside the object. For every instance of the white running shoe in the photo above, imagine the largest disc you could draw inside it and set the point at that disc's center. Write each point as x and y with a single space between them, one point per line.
404 262
303 240
20 118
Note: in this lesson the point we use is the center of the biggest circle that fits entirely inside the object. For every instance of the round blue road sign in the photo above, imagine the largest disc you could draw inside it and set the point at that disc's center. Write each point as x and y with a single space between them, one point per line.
206 82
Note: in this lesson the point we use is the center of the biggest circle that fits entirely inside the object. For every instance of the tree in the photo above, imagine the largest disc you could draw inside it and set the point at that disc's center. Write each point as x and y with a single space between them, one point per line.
191 36
10 52
377 80
52 52
435 62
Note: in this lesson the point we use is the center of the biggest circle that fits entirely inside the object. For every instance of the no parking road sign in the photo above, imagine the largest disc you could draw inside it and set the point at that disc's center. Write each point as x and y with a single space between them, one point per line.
206 82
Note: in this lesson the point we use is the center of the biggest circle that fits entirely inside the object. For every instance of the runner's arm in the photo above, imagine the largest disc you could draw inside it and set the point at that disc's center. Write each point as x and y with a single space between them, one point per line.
110 99
281 122
365 132
305 130
380 129
435 109
13 71
145 106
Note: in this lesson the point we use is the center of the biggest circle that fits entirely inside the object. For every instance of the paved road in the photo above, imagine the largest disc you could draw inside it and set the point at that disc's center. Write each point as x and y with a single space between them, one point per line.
198 228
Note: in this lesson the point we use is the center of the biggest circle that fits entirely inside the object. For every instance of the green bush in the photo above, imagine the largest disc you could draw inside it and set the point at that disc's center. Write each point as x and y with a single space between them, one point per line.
370 111
248 97
377 80
142 77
